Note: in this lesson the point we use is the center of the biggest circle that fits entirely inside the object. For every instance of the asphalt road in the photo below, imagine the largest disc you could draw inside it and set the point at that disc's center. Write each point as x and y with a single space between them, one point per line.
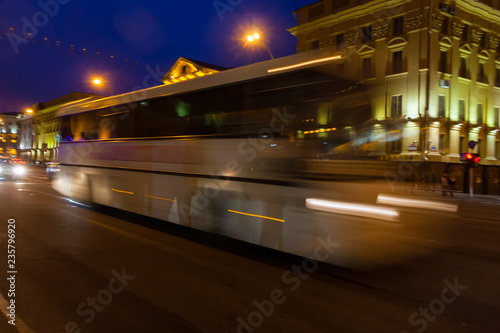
82 270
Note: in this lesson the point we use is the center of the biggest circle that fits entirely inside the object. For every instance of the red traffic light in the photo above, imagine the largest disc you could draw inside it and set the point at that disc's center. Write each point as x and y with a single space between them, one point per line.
469 157
477 159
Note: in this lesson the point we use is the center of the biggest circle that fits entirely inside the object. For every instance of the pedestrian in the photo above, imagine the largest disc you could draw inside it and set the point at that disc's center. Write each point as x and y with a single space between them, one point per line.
444 183
451 183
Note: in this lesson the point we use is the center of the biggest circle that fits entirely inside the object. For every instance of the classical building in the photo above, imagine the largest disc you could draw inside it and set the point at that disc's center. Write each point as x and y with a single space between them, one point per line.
185 69
435 66
9 134
39 132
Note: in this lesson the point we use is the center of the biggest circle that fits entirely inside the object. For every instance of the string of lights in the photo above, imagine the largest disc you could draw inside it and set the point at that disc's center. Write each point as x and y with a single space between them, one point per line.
70 50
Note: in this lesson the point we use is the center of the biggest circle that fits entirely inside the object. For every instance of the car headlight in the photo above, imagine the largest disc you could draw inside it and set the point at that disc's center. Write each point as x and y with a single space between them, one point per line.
19 170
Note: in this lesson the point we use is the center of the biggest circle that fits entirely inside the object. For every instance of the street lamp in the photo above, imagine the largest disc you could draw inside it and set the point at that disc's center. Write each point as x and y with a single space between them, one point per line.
256 38
29 111
99 82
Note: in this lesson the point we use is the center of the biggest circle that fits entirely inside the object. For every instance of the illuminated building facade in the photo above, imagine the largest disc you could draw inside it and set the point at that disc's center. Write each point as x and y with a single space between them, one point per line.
39 133
436 72
8 134
186 69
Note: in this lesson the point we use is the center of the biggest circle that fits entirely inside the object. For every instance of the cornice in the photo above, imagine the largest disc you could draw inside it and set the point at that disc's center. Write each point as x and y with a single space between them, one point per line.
350 13
477 8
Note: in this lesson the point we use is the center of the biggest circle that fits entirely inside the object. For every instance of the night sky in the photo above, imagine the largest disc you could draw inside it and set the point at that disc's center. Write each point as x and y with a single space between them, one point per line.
155 32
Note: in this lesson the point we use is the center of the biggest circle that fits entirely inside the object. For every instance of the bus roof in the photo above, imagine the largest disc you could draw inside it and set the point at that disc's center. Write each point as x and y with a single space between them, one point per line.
240 74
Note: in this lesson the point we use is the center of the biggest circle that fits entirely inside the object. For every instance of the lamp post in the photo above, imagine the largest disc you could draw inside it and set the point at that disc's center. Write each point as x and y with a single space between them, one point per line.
256 38
99 82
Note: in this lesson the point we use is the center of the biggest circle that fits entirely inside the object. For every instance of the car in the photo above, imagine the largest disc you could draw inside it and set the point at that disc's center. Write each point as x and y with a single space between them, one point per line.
52 170
11 169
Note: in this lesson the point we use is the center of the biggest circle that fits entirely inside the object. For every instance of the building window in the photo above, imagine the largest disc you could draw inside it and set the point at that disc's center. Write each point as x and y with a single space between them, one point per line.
483 40
367 34
315 45
461 110
479 114
316 11
463 67
396 106
443 62
497 79
480 76
339 39
465 33
396 146
367 68
495 115
441 106
441 143
339 3
398 25
444 25
397 62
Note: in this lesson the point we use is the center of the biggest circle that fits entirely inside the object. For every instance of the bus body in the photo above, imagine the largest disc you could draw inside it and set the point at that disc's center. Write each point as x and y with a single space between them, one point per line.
228 153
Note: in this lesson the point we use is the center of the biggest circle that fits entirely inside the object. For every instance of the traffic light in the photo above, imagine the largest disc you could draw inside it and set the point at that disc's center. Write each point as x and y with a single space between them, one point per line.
472 160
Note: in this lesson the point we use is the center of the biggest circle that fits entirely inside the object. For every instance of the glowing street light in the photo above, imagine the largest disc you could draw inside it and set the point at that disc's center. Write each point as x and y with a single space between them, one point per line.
99 82
29 111
256 38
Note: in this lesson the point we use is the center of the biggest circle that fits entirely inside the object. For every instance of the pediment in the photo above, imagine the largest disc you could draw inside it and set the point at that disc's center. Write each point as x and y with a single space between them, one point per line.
483 55
365 49
397 43
185 69
445 41
465 49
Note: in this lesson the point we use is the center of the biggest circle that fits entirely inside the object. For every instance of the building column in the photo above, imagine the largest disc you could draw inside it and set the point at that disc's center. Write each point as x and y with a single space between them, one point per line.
491 139
454 137
410 143
379 140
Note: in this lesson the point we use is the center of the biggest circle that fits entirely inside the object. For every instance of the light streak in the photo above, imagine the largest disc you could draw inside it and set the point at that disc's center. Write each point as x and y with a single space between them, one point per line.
126 192
302 64
254 215
416 203
345 208
150 196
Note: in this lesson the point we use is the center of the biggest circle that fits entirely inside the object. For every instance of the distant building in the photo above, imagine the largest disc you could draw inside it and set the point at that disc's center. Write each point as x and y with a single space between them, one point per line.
9 134
39 133
433 95
186 69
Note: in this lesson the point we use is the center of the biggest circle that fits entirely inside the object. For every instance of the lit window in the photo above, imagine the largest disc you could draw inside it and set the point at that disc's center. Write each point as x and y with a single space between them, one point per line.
396 106
463 67
441 109
481 77
461 110
479 114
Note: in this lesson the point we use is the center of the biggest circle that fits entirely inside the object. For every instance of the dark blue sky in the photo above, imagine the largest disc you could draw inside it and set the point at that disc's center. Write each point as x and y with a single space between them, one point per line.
154 32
